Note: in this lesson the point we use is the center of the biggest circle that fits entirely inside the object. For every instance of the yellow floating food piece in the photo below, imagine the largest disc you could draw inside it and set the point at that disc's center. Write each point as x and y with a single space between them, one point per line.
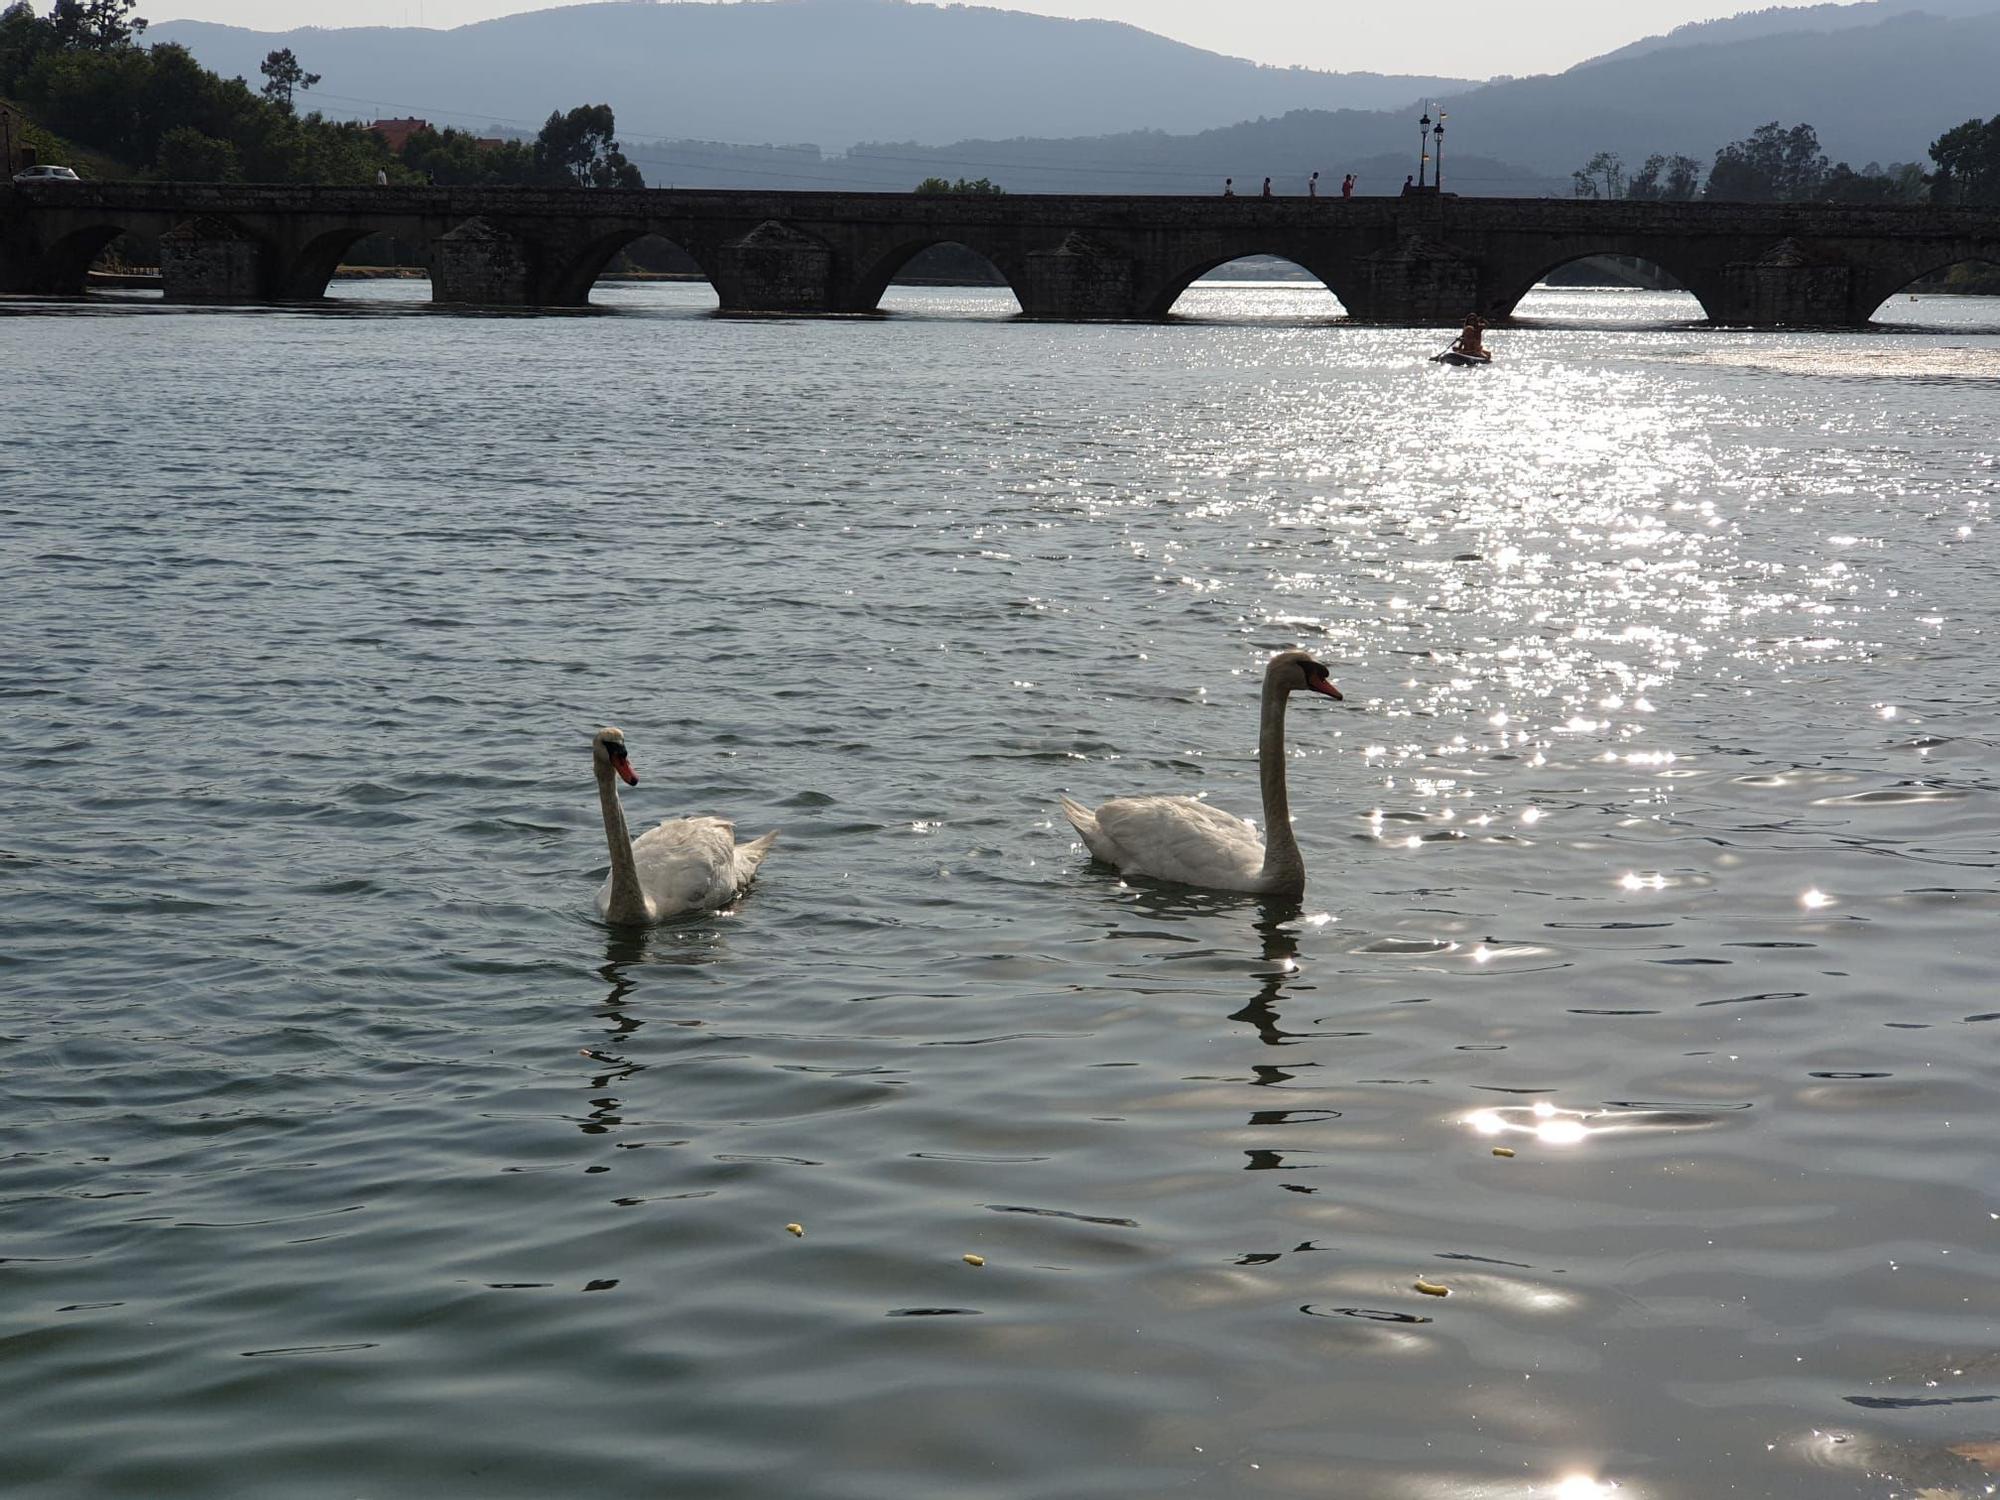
973 1260
1503 1150
1433 1288
796 1229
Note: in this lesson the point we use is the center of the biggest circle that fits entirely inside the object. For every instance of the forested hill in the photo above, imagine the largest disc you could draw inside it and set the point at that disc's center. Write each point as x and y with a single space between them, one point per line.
1778 19
826 71
877 89
1880 92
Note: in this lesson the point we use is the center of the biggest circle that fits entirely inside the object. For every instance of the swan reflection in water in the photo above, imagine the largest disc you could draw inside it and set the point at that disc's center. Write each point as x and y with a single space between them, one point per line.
628 954
1277 926
1139 911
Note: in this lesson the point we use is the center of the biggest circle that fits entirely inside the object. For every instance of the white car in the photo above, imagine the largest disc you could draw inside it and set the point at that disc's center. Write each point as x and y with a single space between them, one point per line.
46 174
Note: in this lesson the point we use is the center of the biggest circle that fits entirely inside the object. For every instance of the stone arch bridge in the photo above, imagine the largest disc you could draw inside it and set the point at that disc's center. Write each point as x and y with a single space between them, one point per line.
1418 258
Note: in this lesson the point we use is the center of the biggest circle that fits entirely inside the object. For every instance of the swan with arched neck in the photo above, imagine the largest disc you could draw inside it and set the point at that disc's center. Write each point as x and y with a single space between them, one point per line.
684 865
1188 842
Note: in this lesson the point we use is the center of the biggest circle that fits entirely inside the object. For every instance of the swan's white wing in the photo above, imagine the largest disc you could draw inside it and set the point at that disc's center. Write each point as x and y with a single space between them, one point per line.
687 864
1177 839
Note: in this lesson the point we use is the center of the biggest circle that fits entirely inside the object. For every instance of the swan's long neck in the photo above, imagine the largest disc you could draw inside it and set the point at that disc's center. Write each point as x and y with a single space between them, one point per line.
1283 864
627 902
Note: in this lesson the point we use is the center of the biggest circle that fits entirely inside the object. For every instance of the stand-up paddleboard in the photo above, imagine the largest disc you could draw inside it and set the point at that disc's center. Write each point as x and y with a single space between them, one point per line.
1460 357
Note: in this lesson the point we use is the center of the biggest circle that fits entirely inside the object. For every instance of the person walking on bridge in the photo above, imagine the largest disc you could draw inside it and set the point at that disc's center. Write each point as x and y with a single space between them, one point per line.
1229 187
1312 186
1347 186
1267 187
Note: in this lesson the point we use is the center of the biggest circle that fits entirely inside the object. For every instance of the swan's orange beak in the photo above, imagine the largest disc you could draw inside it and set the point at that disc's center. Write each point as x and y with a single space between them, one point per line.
625 769
1325 685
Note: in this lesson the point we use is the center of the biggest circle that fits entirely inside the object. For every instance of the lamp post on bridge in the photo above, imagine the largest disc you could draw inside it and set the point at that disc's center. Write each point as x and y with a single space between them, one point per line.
1423 147
1437 134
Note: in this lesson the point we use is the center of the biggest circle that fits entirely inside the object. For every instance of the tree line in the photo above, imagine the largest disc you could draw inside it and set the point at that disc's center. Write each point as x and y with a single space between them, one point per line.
1776 165
80 72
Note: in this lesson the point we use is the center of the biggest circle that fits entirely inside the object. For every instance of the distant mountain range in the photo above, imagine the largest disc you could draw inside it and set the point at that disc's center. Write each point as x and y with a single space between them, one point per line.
887 93
1781 18
830 72
1880 90
1877 91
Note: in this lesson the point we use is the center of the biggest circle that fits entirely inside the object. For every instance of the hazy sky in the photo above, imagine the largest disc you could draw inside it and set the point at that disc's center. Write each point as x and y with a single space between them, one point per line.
1457 38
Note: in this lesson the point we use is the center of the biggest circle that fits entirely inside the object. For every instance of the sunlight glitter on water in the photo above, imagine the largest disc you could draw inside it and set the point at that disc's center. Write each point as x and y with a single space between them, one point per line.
302 981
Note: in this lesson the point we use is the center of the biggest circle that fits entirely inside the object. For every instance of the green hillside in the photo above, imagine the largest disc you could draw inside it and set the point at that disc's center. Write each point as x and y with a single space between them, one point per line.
35 141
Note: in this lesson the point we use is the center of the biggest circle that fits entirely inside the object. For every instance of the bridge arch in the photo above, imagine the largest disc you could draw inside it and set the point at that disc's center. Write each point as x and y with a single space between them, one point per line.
65 265
1158 300
881 266
1509 284
309 270
1897 282
572 277
1642 268
1169 296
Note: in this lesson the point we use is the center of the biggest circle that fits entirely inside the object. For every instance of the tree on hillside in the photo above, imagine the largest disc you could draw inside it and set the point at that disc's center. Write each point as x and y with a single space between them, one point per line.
1665 179
580 149
126 101
1603 176
284 74
1770 165
95 25
1899 182
457 158
24 37
981 188
1968 163
186 155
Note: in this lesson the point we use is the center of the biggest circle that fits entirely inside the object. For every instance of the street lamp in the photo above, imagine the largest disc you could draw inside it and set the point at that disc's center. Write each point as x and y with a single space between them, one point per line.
1438 133
1423 146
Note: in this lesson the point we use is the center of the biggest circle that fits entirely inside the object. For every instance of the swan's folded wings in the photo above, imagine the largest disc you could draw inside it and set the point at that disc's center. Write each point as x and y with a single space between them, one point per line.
1181 839
687 863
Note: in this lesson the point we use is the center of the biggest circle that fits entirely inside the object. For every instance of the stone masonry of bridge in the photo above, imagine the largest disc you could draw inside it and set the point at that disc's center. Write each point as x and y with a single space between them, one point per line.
1420 258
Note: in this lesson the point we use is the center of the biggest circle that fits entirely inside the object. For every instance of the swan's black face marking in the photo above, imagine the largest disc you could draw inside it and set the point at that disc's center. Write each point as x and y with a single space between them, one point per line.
1319 679
614 750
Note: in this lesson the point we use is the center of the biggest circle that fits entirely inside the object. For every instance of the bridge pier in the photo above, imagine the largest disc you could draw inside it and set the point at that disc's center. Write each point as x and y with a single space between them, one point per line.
776 269
1416 281
209 259
1078 281
478 265
1789 286
20 257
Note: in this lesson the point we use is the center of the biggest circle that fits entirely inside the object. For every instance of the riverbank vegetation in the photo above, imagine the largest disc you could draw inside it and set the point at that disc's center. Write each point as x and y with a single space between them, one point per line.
1776 165
83 80
1770 165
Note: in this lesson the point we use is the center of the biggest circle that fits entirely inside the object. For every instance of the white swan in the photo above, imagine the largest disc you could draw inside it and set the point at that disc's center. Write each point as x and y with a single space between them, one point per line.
1191 843
684 865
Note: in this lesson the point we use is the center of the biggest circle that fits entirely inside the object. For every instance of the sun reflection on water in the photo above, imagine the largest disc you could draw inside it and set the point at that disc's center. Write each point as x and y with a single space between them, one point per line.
1548 1123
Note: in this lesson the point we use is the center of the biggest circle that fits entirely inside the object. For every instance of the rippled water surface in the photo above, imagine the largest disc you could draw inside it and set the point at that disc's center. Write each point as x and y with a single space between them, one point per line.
343 1152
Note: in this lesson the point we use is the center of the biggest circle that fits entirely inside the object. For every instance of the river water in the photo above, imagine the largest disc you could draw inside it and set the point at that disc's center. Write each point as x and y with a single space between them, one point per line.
343 1152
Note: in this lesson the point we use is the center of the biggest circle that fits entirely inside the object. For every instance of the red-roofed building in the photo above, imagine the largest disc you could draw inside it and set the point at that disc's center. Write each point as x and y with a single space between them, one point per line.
398 132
